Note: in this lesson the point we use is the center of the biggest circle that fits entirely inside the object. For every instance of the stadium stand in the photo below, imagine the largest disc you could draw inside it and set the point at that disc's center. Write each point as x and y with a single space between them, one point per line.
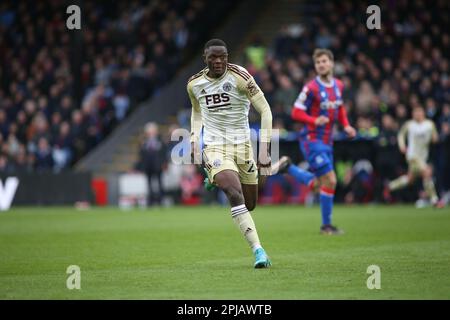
54 110
386 72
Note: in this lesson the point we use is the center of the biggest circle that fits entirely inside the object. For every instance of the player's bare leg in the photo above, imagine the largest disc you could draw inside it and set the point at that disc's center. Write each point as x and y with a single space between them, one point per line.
250 192
261 182
228 181
328 180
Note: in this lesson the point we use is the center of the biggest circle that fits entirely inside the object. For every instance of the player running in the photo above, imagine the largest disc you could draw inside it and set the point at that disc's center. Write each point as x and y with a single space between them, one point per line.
221 95
420 132
319 105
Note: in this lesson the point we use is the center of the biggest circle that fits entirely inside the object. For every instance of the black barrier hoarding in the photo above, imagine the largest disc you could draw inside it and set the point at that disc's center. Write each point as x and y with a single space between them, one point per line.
50 189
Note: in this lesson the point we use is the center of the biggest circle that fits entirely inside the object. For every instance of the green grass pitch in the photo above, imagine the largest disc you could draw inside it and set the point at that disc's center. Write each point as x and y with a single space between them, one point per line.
198 253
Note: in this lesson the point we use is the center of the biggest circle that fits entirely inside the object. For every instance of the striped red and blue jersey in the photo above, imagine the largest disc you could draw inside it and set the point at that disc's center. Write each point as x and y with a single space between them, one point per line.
320 99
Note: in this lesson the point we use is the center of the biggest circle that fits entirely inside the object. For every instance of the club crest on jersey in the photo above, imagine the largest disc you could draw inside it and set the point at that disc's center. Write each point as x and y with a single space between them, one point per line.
216 163
226 87
319 160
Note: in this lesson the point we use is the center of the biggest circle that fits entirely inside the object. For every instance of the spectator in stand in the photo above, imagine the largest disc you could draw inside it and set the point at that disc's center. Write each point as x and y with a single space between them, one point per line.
385 73
256 54
6 167
286 93
62 147
43 154
152 156
388 159
3 123
191 185
130 50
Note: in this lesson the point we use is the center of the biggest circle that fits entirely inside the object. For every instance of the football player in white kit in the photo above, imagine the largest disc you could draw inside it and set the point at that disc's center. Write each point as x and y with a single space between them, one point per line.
420 132
220 96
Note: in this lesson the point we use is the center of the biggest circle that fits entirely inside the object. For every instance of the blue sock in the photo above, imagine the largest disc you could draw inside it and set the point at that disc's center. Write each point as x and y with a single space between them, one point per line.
302 176
326 204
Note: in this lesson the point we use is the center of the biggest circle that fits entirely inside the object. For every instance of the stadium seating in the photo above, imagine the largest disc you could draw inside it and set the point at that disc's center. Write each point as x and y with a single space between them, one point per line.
385 72
56 106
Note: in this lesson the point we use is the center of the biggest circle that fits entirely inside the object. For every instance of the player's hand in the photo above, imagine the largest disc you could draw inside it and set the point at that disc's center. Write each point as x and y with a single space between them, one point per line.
402 149
195 153
264 163
321 120
350 131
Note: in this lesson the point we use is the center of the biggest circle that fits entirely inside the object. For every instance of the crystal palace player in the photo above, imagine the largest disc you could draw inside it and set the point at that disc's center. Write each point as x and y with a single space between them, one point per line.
221 95
319 106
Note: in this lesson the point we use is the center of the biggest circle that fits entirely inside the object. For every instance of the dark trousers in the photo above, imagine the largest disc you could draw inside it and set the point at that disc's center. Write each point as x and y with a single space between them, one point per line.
156 193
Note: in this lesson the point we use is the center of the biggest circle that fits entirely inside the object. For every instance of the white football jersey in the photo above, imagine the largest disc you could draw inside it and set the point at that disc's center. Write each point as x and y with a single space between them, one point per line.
419 138
224 104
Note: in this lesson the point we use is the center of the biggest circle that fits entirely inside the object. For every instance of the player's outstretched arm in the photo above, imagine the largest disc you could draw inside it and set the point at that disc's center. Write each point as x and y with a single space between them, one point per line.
401 137
301 105
434 133
264 161
343 119
196 128
301 116
259 102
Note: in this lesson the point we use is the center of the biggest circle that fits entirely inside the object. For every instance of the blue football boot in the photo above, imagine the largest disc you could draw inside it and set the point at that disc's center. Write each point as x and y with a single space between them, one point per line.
261 259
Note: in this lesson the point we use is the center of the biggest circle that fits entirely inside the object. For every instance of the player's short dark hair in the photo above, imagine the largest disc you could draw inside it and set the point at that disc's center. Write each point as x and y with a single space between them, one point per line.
215 42
320 52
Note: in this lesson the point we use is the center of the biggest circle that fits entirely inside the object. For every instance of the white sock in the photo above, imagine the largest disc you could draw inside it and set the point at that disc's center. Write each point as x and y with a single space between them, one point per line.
243 219
399 183
430 190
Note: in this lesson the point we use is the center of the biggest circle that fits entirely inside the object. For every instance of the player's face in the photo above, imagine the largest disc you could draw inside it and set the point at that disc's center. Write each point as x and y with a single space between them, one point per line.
323 65
418 114
216 58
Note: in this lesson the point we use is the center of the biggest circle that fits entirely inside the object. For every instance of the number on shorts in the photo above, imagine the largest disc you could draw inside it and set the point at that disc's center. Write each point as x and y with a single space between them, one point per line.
252 166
